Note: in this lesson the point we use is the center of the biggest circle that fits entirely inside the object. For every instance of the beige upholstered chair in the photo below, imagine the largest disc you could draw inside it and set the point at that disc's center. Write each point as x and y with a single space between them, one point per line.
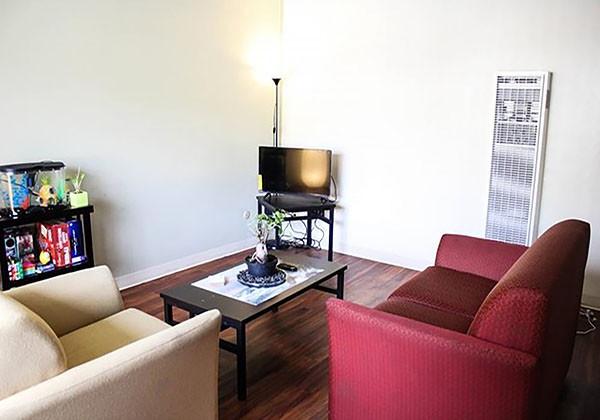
68 350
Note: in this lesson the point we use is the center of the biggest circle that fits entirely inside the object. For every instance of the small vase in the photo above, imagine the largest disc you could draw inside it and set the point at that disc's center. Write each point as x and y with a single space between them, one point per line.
78 199
258 269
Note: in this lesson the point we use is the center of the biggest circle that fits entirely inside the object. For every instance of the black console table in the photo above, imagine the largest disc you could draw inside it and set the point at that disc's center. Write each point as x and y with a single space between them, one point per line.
314 208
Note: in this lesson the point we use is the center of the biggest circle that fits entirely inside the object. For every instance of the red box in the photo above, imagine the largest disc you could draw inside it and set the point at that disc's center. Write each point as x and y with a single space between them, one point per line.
54 238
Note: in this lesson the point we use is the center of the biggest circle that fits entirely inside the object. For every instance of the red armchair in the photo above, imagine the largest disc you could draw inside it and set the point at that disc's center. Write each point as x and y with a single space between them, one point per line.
486 333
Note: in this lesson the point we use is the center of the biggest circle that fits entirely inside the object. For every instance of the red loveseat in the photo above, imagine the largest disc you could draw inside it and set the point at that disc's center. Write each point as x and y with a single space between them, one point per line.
487 333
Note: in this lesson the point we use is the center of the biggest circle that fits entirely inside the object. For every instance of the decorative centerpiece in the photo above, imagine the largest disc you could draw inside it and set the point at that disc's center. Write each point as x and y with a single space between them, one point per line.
78 197
262 267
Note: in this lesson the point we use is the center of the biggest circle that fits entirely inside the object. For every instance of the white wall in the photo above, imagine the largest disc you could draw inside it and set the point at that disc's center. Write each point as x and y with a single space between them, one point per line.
157 102
403 92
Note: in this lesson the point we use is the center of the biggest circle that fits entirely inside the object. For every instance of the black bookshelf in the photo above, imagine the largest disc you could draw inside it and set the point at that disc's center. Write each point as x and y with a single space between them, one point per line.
83 214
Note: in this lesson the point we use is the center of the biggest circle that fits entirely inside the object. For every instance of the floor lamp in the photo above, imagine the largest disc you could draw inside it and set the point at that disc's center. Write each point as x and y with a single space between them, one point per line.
276 80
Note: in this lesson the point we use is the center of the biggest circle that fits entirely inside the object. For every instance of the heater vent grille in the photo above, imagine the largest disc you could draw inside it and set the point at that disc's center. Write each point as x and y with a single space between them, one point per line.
517 153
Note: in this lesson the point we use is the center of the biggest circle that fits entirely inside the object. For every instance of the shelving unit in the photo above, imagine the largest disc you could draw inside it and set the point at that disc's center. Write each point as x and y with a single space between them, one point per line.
8 224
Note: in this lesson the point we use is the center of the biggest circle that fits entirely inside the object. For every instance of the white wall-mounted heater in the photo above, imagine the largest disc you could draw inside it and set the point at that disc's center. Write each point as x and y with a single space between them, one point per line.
522 100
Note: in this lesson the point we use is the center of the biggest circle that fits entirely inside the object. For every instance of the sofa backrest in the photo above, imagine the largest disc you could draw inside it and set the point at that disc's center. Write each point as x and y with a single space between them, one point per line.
71 301
483 257
535 305
30 352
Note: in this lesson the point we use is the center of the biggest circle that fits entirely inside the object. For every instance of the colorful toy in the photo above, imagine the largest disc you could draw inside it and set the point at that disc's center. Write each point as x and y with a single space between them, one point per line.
25 244
45 257
76 239
47 194
15 270
54 238
29 268
10 246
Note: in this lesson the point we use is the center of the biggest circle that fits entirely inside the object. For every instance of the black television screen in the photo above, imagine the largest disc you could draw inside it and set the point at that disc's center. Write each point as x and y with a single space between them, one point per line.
290 170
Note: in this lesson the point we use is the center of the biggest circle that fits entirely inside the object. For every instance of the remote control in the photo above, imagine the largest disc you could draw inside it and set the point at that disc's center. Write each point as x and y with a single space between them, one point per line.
288 267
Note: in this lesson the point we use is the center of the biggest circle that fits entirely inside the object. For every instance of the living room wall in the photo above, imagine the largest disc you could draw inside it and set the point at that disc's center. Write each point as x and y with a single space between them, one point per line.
403 92
158 102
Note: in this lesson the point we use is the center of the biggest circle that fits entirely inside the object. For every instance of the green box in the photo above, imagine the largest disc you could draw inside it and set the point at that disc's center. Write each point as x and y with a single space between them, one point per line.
78 199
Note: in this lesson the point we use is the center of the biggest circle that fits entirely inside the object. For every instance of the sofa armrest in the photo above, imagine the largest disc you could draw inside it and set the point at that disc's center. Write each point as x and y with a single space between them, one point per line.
73 300
483 257
172 374
384 366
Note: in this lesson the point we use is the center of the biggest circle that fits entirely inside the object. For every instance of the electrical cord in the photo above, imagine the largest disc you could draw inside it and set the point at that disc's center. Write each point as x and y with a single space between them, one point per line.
590 317
318 241
298 239
303 235
293 239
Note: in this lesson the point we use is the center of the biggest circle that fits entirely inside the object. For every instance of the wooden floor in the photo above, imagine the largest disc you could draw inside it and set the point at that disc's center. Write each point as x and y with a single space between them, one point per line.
287 350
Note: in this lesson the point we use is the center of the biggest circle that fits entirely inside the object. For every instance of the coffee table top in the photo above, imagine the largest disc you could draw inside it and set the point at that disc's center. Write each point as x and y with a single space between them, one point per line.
194 299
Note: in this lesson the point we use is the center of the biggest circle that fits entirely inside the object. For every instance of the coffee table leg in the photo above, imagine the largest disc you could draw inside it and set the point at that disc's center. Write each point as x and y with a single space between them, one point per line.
168 313
241 361
340 285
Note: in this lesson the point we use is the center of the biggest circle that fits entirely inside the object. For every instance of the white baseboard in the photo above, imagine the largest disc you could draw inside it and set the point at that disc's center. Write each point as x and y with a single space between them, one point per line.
381 256
152 273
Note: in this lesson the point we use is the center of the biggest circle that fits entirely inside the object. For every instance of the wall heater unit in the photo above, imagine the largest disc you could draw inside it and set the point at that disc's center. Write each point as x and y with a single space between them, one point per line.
522 100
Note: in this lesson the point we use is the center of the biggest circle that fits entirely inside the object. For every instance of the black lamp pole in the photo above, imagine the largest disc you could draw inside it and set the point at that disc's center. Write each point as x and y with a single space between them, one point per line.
276 117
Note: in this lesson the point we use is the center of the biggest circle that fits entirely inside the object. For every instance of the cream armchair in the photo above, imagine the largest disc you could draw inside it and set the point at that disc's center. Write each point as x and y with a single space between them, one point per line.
68 350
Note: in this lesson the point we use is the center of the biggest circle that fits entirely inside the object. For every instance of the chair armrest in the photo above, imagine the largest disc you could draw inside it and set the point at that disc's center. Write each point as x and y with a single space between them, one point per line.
483 257
172 374
73 300
384 366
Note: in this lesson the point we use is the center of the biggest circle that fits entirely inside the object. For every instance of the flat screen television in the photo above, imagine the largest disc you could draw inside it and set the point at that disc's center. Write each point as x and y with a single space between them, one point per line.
291 170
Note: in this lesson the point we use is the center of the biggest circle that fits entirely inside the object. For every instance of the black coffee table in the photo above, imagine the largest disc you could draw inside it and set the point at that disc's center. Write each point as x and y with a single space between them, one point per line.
236 314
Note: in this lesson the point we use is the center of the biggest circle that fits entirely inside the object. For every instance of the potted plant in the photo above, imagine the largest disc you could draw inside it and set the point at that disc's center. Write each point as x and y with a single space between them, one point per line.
261 263
78 197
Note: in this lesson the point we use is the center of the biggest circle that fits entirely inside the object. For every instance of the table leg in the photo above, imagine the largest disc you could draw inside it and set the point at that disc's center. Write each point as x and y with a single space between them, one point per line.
241 361
330 247
340 285
168 313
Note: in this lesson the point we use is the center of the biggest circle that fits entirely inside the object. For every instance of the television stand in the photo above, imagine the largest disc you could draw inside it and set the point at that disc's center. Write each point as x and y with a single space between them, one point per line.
312 207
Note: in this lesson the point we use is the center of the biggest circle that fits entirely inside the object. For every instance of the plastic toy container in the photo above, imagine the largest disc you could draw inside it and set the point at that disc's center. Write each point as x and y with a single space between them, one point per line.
24 185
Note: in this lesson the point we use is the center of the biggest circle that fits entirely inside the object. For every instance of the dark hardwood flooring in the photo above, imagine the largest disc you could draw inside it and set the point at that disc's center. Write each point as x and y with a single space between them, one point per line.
287 350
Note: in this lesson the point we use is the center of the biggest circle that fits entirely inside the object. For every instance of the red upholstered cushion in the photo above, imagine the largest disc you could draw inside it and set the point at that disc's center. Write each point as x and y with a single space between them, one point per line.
447 290
483 257
426 314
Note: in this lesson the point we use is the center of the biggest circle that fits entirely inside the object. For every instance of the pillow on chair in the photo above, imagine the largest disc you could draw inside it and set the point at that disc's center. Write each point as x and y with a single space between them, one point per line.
30 351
